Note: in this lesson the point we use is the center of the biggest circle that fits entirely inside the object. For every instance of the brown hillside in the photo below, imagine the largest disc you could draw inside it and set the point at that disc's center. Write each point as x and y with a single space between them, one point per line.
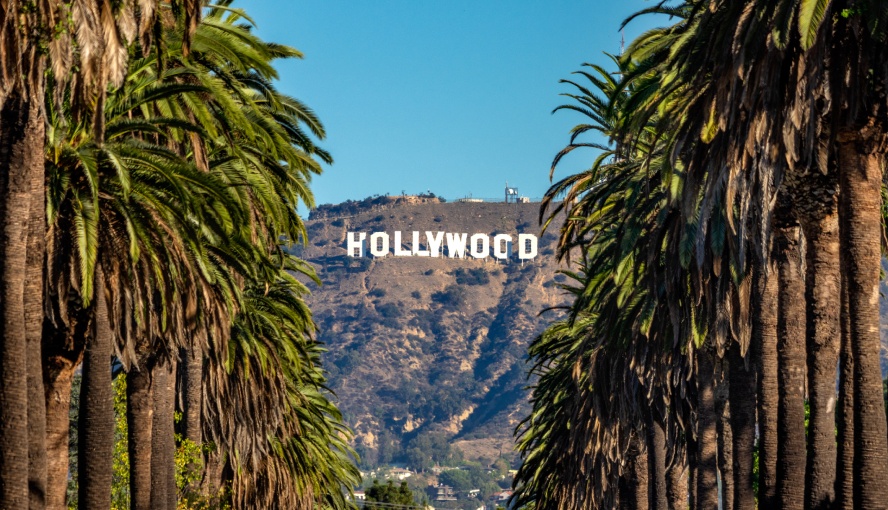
424 345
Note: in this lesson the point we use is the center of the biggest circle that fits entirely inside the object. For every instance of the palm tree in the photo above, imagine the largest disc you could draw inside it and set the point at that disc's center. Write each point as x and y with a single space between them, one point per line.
138 200
251 153
33 306
618 339
742 415
267 409
707 483
94 450
791 354
845 410
24 62
786 44
656 446
764 350
696 90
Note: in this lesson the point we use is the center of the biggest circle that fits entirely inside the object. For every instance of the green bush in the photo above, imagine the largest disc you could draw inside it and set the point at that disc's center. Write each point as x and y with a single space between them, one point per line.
389 310
476 276
188 460
453 296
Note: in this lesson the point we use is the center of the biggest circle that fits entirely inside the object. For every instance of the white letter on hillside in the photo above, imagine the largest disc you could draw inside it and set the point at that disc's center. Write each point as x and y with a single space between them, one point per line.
484 250
523 252
456 245
502 246
399 250
435 243
375 249
355 243
416 251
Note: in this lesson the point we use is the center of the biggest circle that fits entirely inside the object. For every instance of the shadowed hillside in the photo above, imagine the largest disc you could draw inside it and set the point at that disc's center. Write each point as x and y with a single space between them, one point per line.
429 346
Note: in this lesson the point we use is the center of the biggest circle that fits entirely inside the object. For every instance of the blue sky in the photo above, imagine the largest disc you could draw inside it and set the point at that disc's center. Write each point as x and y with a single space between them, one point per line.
453 97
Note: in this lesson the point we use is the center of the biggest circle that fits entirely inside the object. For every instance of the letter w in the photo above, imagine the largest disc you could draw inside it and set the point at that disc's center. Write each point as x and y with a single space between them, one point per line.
456 245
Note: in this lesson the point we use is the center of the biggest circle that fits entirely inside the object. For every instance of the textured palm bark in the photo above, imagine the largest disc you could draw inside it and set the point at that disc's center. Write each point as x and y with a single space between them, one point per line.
845 413
707 444
633 490
192 394
677 485
159 378
61 360
820 223
764 350
640 478
169 441
725 437
95 445
140 420
656 447
33 303
742 395
57 427
860 166
163 446
693 471
21 145
191 391
791 360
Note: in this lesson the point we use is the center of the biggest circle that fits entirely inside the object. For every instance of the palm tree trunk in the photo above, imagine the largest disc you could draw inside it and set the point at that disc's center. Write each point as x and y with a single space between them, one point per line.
21 149
191 391
707 444
58 390
96 427
640 477
140 421
823 297
656 447
845 411
633 483
34 337
192 395
791 361
163 446
725 437
742 395
60 362
764 350
693 470
860 166
677 485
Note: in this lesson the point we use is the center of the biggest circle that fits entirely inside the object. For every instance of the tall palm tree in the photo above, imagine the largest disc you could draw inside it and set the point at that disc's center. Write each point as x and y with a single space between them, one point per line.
96 417
23 62
618 340
266 404
791 446
229 80
140 201
786 44
746 153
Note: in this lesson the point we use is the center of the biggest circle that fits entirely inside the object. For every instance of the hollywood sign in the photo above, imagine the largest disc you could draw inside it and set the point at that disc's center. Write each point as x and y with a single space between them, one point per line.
477 246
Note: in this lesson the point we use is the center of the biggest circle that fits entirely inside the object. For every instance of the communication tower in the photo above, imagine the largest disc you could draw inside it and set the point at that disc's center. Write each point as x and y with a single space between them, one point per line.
511 194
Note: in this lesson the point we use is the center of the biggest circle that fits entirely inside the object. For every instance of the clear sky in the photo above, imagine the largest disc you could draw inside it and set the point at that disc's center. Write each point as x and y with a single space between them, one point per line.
449 96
